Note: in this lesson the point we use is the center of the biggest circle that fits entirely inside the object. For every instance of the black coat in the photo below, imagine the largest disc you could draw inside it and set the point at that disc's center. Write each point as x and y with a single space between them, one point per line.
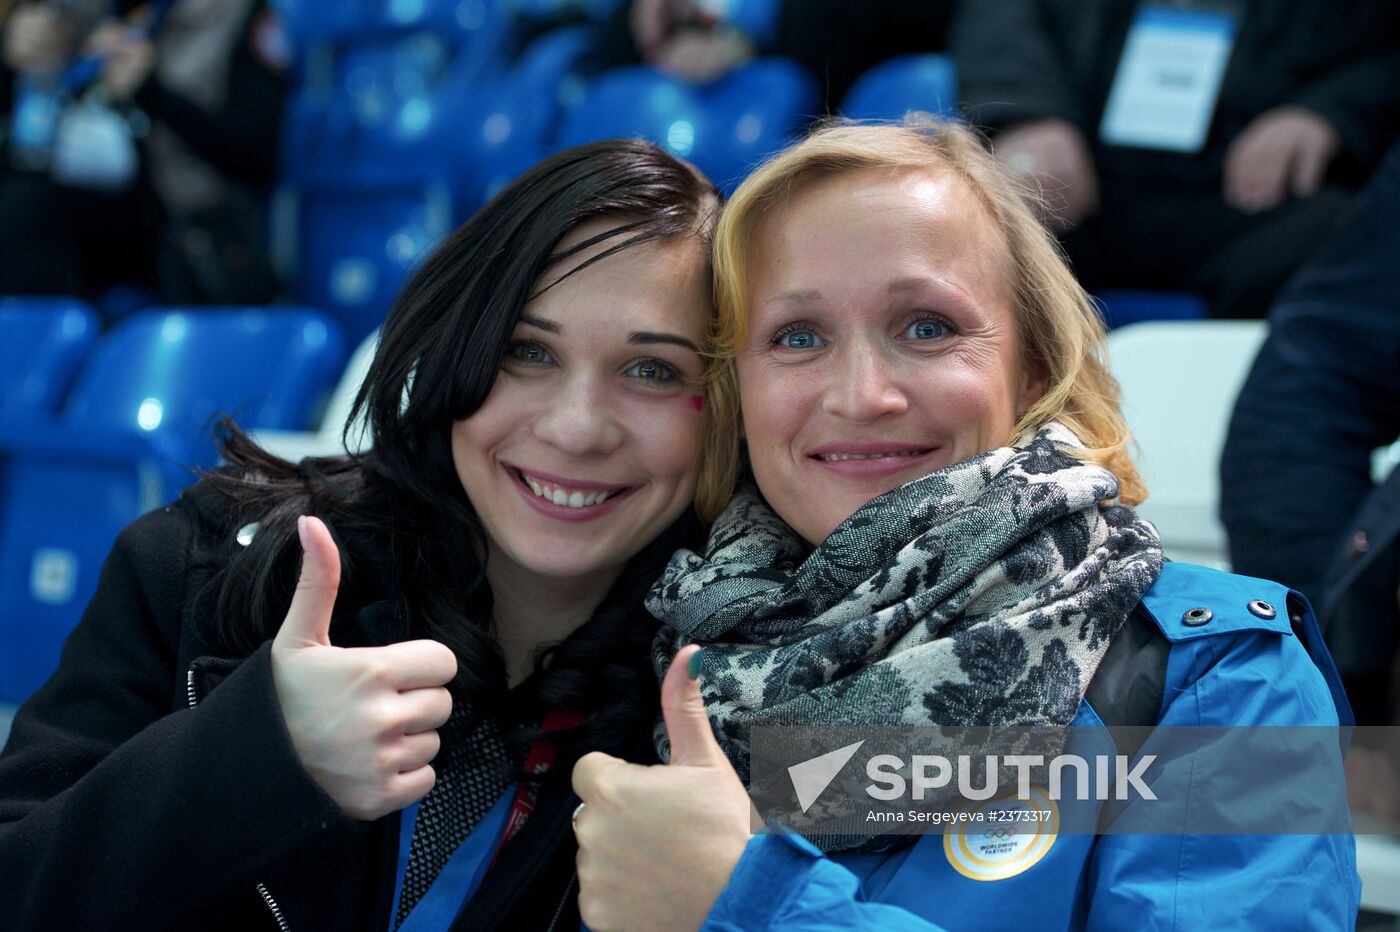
1297 496
152 784
835 40
1021 60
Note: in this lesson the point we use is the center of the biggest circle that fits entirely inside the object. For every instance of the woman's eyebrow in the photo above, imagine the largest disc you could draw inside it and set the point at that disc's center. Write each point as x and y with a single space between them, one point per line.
797 296
635 338
539 323
939 286
643 337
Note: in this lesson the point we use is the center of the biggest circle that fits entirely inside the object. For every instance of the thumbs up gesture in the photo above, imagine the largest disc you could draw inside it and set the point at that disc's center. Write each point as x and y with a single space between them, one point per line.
656 845
362 720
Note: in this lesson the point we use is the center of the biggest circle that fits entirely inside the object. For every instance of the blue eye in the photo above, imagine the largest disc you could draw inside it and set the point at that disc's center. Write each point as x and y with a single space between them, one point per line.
529 353
926 330
797 339
651 370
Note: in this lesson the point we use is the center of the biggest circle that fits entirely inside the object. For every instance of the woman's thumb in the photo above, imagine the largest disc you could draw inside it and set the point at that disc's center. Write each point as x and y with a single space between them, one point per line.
692 741
308 620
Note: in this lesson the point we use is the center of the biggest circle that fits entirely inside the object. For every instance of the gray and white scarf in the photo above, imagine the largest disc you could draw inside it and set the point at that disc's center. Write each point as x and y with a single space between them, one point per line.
983 594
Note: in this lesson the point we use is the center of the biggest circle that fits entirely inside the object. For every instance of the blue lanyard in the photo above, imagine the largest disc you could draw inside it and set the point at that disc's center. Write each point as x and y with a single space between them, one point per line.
461 875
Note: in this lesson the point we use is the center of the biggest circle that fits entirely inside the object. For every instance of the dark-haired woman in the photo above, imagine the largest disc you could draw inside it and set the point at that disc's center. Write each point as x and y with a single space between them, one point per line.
346 695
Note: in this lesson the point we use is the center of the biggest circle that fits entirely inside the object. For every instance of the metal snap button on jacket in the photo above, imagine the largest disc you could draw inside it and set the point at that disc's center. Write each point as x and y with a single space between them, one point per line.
1261 608
1196 617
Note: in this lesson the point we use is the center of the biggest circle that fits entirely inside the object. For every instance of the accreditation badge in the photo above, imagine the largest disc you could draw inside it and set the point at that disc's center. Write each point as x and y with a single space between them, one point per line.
1000 838
1169 76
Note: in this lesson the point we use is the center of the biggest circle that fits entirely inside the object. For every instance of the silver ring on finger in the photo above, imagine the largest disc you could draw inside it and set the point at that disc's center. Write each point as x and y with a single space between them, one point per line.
574 818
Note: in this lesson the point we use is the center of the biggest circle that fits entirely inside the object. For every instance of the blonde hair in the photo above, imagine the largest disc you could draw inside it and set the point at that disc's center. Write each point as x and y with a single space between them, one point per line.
1058 328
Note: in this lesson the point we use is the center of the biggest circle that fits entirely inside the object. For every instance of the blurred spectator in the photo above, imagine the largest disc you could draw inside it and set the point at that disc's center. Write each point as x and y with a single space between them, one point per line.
1301 103
701 40
153 176
1297 496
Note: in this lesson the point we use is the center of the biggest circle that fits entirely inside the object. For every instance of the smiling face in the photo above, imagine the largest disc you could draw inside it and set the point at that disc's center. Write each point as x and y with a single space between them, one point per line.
881 342
589 443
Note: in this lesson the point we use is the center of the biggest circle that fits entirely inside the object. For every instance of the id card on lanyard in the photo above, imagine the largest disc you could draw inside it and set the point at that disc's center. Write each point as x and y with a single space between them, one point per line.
1168 79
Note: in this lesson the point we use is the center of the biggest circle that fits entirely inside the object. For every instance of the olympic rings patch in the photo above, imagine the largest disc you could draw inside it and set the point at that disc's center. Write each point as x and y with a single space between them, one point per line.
1002 837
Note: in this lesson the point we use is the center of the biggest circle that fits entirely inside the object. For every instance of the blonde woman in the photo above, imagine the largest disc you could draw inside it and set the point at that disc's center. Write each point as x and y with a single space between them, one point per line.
939 532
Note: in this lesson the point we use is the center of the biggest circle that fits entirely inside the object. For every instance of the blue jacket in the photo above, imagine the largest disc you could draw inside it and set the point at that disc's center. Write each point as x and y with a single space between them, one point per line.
1238 669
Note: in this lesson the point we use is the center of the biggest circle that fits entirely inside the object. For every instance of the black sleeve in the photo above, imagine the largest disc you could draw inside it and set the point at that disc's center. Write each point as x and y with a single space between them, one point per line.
1362 100
241 140
1357 85
1011 68
116 813
1323 393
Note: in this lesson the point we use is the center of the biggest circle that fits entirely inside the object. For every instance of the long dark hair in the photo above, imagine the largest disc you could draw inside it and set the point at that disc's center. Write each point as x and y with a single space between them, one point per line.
438 355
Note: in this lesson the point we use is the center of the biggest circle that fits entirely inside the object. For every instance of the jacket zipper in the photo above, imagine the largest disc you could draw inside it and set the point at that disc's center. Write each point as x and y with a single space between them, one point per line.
193 698
276 910
559 910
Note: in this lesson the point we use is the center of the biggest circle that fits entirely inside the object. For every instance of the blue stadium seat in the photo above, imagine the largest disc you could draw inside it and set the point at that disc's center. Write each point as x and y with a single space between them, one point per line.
378 78
309 22
348 243
1134 307
725 127
138 418
911 82
391 141
637 101
753 112
42 343
507 124
119 301
365 104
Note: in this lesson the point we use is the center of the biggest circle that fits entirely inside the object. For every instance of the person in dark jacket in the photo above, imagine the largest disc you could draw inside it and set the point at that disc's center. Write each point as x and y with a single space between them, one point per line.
175 205
835 40
231 742
1307 101
1297 495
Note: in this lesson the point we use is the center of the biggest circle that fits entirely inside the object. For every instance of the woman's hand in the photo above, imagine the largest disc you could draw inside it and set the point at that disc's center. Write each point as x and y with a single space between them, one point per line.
362 720
128 55
656 845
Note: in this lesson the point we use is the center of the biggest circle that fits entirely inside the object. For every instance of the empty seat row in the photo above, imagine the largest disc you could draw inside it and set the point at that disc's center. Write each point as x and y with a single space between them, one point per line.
397 141
132 431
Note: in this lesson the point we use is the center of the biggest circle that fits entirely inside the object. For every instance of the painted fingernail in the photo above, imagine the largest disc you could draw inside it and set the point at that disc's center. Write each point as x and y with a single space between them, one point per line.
301 531
697 660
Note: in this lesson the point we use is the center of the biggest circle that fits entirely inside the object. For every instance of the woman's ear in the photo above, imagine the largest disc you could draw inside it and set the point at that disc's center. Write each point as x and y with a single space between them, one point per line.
1034 381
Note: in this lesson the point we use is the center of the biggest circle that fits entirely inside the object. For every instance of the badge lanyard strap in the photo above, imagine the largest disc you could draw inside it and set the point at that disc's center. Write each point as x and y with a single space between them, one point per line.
543 754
